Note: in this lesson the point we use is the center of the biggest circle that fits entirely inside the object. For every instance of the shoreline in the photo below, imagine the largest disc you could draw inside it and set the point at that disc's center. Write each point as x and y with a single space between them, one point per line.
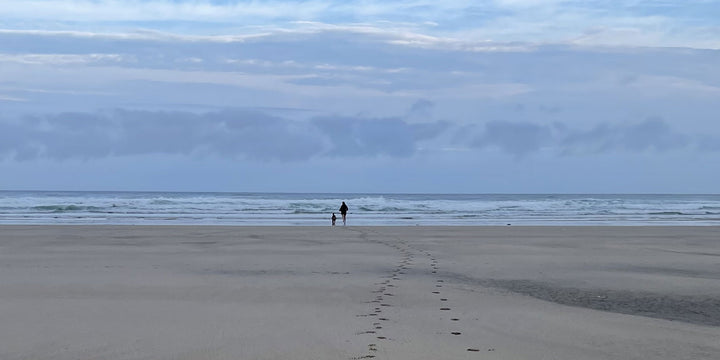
253 292
381 226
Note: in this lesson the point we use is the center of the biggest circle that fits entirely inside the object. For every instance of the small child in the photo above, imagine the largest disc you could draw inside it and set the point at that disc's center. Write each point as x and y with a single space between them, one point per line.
333 219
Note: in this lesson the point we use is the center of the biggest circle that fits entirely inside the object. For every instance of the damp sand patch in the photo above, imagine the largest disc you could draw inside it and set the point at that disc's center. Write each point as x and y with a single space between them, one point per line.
694 309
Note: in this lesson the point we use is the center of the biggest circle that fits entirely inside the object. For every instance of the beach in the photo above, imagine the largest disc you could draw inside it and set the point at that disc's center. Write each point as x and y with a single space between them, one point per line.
397 292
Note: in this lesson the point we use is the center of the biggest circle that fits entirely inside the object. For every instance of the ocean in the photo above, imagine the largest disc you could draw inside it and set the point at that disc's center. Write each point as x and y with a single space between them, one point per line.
188 208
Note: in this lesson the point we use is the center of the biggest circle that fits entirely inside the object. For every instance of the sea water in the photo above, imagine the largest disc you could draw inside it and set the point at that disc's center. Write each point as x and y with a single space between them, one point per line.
186 208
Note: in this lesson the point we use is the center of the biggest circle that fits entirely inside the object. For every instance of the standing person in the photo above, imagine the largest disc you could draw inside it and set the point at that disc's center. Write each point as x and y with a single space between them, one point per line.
333 218
343 212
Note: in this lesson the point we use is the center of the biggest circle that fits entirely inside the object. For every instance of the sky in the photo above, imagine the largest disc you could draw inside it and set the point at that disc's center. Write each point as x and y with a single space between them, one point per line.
416 96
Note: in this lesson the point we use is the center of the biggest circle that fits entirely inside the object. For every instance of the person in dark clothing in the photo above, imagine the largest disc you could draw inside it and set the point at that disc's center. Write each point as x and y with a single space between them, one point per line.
343 212
333 218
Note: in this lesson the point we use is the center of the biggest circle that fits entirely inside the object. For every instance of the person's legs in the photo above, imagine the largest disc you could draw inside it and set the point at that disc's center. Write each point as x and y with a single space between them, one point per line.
344 216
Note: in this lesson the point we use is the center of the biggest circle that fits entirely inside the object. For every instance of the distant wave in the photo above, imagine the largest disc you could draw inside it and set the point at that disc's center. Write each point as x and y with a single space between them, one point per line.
667 213
164 202
386 209
365 209
67 208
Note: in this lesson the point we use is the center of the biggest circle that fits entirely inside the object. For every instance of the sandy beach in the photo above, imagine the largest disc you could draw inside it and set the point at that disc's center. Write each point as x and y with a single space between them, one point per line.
214 292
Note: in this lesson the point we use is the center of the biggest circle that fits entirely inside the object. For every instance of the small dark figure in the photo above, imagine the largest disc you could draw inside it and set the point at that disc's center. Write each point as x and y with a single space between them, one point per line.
343 212
333 219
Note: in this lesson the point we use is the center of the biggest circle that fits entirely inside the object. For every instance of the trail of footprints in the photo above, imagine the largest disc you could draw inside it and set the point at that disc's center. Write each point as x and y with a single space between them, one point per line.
384 291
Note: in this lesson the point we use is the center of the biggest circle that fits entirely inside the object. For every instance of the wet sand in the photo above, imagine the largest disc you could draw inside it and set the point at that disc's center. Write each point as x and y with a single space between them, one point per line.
211 292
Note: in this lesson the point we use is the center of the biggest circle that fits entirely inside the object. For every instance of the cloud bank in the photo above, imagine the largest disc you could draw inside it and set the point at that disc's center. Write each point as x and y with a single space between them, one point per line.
236 134
257 136
521 139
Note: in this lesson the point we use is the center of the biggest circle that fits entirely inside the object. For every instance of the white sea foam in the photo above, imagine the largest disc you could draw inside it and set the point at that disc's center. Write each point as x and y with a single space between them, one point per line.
365 209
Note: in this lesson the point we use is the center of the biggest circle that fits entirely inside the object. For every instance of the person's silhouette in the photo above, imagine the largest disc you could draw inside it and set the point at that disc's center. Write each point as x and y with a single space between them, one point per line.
343 212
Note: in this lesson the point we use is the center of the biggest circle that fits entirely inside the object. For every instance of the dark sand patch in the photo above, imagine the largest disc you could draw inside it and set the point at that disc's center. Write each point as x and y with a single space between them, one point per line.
694 309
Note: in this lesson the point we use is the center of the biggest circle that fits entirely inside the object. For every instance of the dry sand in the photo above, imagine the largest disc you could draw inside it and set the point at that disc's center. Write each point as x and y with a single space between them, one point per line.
187 292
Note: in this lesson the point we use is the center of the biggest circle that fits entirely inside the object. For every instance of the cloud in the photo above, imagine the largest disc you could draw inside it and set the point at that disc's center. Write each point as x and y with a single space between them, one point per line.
375 137
524 138
411 22
159 10
64 59
240 134
650 134
11 98
357 59
421 109
516 138
245 134
709 143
